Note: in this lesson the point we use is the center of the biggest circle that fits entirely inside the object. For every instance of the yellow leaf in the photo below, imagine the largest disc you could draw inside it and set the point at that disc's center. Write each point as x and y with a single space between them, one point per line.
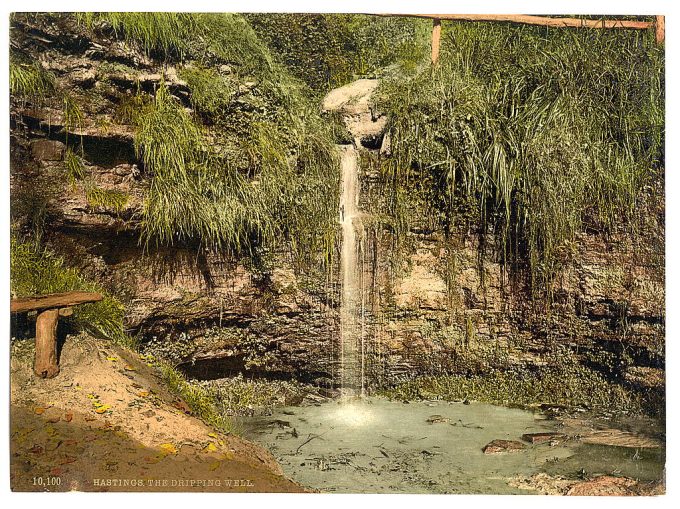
210 448
130 368
143 394
101 409
168 448
212 435
112 359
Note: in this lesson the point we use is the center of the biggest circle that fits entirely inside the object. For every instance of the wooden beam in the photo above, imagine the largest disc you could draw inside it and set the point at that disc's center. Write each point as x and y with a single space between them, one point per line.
660 28
54 300
436 37
536 20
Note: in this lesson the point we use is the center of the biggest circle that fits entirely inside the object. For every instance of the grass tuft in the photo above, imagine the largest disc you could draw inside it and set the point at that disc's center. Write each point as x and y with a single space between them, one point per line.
199 399
163 33
74 166
108 199
30 80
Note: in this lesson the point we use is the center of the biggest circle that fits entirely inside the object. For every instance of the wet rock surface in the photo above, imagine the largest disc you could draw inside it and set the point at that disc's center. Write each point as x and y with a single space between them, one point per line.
604 485
502 446
540 438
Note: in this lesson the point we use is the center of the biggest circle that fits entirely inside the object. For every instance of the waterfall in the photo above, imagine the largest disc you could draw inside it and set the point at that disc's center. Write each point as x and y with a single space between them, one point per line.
352 334
353 103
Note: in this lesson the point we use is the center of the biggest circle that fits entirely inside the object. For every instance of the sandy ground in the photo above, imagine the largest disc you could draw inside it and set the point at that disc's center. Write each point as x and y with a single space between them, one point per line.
106 423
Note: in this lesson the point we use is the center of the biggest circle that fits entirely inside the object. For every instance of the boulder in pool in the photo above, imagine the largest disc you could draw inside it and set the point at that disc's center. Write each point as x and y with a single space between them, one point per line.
502 446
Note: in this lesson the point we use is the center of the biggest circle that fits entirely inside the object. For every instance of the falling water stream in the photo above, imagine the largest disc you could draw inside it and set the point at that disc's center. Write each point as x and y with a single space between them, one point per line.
352 330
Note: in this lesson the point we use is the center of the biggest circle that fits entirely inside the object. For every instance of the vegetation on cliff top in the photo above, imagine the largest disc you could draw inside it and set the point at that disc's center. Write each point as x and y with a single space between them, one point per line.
329 50
29 79
530 134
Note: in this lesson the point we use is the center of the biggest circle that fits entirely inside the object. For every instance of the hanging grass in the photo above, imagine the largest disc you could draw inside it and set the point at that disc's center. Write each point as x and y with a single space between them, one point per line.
529 134
191 196
73 113
163 33
197 194
29 79
74 166
252 168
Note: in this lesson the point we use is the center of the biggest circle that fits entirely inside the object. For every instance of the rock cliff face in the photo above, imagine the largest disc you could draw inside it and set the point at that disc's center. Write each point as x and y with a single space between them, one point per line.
437 310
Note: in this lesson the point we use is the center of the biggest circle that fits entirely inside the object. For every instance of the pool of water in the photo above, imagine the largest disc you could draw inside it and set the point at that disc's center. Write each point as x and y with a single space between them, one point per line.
381 446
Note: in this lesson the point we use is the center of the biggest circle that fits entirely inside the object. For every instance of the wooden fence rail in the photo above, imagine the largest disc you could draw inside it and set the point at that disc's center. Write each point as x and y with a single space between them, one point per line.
658 24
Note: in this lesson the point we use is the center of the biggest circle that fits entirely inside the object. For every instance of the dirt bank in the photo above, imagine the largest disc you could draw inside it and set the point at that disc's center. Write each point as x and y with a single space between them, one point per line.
107 424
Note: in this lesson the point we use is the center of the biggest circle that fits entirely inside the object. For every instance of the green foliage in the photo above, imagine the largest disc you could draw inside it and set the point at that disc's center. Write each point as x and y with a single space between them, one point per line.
75 169
30 208
328 50
191 195
29 80
164 33
210 93
253 166
529 134
238 396
197 194
38 271
109 199
199 399
569 385
73 114
206 37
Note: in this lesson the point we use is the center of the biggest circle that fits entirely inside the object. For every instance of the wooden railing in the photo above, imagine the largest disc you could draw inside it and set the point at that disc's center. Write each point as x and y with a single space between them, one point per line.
658 24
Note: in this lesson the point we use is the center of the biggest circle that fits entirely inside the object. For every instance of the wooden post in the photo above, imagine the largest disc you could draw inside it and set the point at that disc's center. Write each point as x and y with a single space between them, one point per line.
46 344
50 308
660 25
436 36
